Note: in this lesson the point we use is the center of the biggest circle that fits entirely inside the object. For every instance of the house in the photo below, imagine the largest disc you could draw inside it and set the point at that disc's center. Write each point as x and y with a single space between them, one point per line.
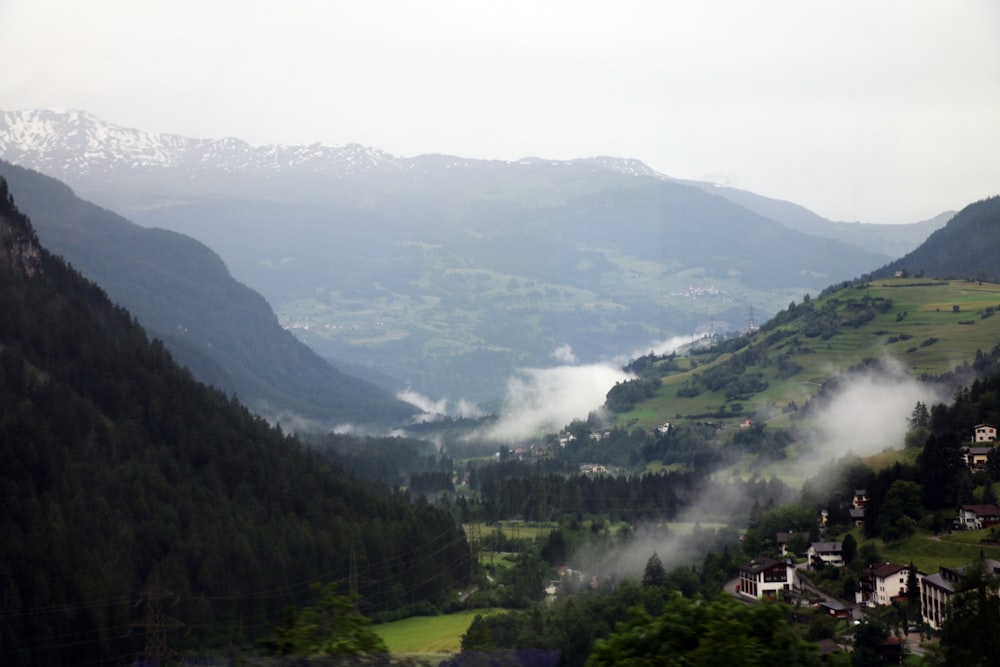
860 499
976 517
883 583
767 578
830 553
984 433
781 539
857 516
937 589
663 428
976 458
837 610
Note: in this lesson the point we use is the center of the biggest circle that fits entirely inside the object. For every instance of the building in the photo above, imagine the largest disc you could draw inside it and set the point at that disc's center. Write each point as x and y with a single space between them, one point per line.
937 589
883 583
781 539
829 553
977 517
976 458
984 433
767 578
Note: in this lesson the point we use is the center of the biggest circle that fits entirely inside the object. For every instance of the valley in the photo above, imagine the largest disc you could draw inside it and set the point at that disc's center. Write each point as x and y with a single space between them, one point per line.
815 387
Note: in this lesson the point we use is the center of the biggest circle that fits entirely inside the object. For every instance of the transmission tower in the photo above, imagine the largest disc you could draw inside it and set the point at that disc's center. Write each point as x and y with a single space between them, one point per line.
156 623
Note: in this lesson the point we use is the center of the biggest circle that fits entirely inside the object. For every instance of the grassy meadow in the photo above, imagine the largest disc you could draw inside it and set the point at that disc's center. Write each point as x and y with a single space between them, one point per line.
931 327
429 636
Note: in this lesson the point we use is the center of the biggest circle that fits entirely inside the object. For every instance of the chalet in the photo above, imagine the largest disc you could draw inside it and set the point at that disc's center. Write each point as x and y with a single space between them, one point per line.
976 458
767 578
984 433
663 428
883 583
860 499
976 517
593 468
857 516
937 589
829 553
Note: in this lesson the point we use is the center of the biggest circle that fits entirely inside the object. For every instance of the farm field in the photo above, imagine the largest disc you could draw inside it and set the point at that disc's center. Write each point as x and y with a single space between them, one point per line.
432 637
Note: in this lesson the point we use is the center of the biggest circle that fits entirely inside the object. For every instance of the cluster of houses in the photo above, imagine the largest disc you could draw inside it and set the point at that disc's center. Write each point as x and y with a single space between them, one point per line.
881 584
977 454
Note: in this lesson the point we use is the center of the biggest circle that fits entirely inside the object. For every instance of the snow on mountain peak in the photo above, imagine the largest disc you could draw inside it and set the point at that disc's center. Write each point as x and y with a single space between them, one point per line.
76 146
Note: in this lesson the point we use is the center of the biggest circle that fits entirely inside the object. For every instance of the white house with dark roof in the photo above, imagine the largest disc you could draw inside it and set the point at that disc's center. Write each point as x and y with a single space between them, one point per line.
977 517
984 433
767 578
830 553
881 583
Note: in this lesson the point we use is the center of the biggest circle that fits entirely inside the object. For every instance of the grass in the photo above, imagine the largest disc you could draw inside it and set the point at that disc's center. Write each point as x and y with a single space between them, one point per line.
929 553
928 337
429 635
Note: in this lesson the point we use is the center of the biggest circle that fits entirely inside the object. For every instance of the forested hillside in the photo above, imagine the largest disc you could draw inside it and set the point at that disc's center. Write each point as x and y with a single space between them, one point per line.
964 248
182 292
144 512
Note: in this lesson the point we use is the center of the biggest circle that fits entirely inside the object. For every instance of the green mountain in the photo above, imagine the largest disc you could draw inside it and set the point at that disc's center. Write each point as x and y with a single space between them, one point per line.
183 294
895 327
964 248
148 516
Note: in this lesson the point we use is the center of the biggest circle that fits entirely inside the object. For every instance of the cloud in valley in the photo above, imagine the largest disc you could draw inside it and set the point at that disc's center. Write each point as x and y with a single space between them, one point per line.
866 413
541 400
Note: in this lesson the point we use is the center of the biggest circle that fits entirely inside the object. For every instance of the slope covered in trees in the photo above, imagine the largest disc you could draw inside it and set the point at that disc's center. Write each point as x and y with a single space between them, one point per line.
133 494
183 293
964 248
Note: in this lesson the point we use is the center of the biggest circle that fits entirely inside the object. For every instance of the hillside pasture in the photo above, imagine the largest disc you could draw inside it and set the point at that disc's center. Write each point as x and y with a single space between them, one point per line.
429 636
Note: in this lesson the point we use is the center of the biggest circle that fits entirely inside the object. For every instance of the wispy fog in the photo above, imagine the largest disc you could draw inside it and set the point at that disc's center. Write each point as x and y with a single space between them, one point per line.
444 407
867 413
541 400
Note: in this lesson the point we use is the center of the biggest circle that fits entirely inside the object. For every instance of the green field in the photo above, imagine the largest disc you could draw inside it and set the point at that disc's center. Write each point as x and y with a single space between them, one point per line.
429 635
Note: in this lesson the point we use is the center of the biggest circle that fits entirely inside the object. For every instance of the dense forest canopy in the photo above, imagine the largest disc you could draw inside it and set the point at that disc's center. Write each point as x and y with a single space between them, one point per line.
125 482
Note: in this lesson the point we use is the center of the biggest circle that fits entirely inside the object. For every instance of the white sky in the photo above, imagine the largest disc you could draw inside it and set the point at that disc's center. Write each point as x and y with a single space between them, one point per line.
880 111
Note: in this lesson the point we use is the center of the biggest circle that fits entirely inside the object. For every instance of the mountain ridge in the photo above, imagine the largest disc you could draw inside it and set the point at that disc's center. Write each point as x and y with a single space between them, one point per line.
182 292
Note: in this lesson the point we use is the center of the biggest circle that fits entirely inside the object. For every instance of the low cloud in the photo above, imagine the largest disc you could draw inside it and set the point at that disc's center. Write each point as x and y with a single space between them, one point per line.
541 400
866 413
431 409
564 353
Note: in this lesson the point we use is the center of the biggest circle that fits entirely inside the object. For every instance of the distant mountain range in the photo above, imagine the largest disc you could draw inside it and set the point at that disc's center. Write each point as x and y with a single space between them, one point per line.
450 273
182 293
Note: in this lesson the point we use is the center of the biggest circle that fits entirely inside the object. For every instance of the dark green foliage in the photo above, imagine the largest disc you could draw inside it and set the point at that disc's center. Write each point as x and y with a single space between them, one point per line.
964 248
971 631
624 395
182 293
333 627
694 632
123 476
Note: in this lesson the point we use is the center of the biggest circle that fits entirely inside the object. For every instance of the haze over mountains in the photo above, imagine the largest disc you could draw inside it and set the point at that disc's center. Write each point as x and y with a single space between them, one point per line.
449 274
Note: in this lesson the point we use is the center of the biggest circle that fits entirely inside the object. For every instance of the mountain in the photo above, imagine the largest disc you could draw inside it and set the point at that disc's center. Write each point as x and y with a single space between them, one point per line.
147 515
964 248
891 240
885 332
183 294
445 272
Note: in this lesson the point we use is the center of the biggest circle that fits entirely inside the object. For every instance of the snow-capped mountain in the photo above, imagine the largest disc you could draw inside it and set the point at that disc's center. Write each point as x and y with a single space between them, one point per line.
84 150
75 145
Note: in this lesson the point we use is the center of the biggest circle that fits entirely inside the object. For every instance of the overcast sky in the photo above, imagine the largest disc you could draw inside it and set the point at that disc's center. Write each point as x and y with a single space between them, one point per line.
879 111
